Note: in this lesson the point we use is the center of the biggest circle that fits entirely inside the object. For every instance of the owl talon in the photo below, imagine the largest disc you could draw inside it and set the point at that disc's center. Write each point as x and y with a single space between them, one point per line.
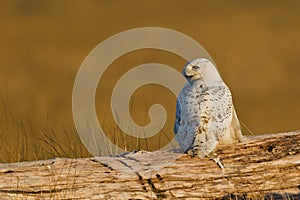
191 153
219 163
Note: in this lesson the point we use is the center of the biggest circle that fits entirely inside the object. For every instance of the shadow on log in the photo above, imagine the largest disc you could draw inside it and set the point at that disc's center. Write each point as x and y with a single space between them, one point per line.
265 167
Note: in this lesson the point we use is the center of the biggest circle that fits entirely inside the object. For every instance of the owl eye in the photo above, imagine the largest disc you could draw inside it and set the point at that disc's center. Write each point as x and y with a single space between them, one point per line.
196 67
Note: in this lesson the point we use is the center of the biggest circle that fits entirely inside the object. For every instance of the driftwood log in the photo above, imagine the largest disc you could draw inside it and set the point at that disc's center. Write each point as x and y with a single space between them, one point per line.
265 167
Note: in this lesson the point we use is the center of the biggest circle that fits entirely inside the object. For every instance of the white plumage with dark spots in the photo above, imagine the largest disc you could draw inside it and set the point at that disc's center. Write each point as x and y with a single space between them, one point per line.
205 115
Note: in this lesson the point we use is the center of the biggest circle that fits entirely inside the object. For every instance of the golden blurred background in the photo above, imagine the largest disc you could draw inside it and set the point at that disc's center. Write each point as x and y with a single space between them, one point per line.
255 45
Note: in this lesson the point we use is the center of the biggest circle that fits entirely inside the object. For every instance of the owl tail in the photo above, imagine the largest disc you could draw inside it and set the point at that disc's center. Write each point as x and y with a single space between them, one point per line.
235 124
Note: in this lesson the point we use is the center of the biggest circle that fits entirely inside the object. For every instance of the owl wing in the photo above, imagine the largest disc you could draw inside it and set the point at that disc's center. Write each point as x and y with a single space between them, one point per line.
205 140
215 119
186 122
181 104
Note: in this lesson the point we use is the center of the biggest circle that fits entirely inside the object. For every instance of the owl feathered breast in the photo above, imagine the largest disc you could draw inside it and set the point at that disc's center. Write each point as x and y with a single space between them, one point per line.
205 115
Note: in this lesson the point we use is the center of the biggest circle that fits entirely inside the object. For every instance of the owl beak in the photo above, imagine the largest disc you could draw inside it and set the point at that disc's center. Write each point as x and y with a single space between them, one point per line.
188 77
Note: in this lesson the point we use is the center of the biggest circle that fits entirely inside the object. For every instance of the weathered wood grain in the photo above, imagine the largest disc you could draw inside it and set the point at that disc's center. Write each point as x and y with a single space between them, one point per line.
265 167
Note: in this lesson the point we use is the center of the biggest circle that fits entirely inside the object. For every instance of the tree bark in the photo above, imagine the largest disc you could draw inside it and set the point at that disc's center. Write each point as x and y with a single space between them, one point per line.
264 167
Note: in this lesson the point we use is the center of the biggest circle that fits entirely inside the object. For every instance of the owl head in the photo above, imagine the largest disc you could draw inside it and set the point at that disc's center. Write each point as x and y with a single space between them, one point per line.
201 69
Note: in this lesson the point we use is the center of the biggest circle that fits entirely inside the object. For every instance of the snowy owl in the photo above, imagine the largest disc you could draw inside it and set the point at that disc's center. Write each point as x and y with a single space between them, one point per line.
205 115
